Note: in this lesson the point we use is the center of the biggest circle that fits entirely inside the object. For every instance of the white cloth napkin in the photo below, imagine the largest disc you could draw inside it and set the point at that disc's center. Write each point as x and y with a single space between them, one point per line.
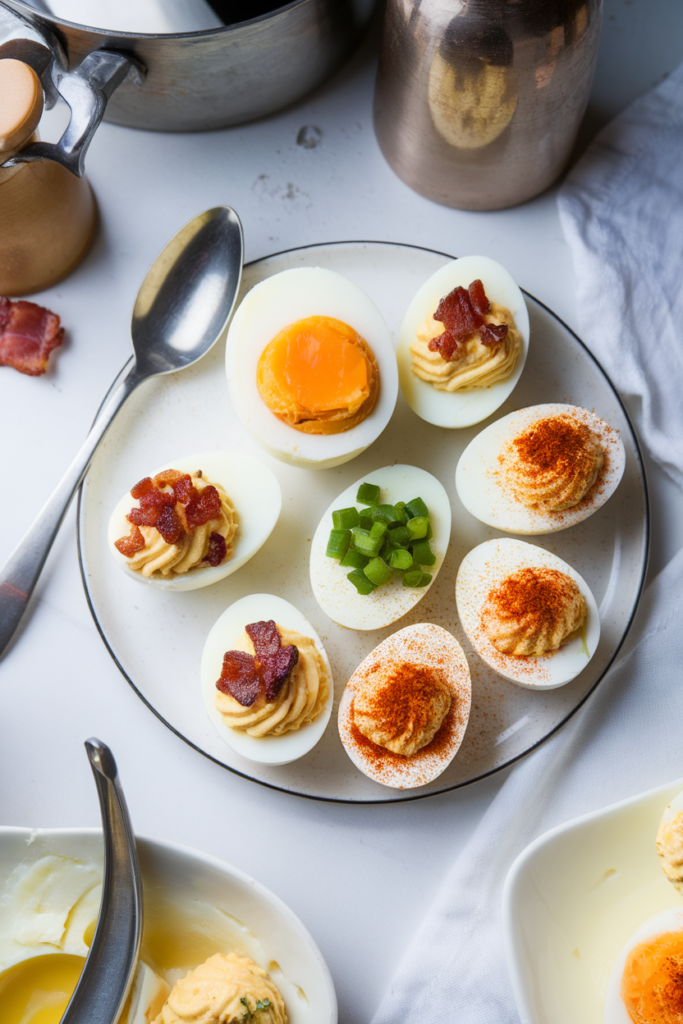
622 212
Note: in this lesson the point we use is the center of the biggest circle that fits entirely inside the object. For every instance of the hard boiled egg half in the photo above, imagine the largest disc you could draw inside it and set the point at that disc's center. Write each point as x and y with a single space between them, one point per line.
270 750
460 408
339 598
647 970
255 495
483 570
270 307
484 492
420 646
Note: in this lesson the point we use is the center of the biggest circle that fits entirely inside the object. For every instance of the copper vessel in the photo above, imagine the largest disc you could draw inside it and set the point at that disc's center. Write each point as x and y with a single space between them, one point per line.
478 102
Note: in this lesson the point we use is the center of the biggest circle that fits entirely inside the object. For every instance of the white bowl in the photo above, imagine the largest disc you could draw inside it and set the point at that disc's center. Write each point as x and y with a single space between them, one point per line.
573 898
222 900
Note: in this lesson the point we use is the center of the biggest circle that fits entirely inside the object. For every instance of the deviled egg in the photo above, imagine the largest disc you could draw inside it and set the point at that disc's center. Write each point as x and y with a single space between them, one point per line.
404 711
196 551
266 680
515 599
459 367
541 469
646 974
311 367
363 604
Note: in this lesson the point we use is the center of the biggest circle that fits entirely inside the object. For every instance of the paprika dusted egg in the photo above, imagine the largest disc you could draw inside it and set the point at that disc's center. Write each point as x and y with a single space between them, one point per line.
379 546
404 711
463 342
195 521
527 613
266 680
541 469
311 367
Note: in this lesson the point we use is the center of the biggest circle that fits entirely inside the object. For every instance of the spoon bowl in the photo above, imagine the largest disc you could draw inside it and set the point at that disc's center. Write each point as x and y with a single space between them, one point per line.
182 308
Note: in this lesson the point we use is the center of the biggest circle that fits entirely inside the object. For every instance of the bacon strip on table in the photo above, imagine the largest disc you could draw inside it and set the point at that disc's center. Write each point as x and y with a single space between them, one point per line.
28 333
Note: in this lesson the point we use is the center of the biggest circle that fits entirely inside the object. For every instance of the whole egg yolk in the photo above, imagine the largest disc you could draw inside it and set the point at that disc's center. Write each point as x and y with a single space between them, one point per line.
319 362
652 982
37 991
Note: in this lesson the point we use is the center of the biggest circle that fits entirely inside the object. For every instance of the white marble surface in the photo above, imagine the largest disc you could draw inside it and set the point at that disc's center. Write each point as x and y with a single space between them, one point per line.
359 877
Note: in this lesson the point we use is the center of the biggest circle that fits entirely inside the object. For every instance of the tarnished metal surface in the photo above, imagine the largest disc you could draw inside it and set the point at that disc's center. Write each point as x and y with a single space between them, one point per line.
223 76
478 102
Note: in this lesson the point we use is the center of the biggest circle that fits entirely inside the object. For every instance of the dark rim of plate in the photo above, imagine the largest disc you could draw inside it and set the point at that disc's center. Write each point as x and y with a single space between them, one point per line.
405 795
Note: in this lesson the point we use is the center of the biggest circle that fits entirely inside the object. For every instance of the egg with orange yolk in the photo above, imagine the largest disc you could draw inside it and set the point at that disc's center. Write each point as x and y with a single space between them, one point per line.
311 367
646 982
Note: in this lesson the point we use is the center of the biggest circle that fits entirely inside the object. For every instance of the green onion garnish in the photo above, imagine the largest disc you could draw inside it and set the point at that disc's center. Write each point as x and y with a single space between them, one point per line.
338 543
360 582
345 518
416 578
378 572
368 494
354 560
416 507
422 553
418 527
400 559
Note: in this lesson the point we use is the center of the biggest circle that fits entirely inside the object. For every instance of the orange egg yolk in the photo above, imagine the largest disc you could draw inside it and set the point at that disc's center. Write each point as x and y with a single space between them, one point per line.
652 982
37 991
317 361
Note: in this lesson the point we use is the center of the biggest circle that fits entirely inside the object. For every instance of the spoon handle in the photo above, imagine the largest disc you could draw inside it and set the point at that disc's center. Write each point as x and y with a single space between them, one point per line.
19 574
109 970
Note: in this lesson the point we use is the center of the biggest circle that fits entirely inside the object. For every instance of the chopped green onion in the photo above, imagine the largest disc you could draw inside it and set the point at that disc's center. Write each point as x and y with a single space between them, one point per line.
378 528
400 536
386 513
418 527
338 544
378 572
360 582
415 508
416 579
400 559
345 518
365 522
422 553
354 560
363 542
368 494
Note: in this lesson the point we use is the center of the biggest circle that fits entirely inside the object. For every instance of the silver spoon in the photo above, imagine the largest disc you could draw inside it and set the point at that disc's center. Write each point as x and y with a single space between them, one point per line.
181 310
107 976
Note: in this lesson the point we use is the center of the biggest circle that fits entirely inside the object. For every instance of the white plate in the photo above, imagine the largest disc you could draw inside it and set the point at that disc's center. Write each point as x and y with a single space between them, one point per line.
206 899
157 638
572 900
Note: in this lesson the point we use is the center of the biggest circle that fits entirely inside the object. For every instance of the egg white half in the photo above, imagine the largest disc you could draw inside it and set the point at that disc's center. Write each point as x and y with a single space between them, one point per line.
271 750
667 921
461 408
483 490
483 569
337 597
255 495
267 309
423 644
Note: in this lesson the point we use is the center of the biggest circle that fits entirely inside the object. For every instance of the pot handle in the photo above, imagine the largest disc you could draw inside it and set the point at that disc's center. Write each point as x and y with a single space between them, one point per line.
86 89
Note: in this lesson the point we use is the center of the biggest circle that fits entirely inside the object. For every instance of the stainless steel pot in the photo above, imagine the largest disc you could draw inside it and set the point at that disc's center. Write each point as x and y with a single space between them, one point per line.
478 102
211 79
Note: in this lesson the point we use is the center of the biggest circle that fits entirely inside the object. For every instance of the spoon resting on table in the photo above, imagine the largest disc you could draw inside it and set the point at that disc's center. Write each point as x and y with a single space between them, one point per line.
109 970
181 310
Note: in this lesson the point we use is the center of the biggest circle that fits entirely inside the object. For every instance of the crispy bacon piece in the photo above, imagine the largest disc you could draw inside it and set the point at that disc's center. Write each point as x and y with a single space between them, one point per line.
462 313
28 333
129 545
245 677
217 550
169 525
202 509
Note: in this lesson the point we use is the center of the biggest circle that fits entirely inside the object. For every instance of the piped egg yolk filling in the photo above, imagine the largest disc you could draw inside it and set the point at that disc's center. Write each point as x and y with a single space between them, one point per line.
652 982
319 376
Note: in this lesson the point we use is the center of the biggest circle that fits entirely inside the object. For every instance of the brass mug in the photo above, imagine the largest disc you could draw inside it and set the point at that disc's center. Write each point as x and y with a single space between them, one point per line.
478 102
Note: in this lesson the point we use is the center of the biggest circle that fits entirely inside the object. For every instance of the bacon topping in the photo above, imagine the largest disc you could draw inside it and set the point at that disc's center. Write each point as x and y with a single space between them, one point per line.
28 333
129 545
217 550
175 512
462 313
246 676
